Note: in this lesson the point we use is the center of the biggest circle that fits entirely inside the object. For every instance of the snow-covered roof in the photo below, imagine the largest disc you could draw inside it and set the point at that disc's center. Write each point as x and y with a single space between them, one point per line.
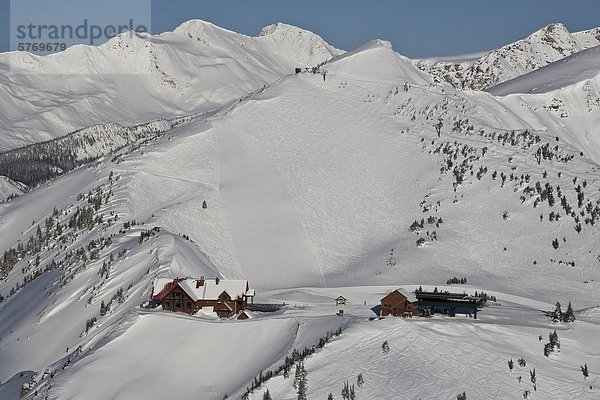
159 287
211 289
410 296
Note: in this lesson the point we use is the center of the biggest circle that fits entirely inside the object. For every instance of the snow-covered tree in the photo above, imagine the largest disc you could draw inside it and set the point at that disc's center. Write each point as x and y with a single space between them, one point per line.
584 371
360 380
300 381
557 316
568 316
385 347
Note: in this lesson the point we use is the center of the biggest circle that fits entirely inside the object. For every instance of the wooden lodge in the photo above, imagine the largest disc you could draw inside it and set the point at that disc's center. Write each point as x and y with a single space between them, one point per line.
447 303
401 303
225 297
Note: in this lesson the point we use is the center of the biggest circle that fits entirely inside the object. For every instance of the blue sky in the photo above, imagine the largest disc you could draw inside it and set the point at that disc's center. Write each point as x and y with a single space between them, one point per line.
417 28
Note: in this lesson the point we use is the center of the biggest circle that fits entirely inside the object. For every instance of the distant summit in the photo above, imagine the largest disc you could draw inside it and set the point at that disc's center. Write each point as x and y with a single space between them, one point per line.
140 77
549 44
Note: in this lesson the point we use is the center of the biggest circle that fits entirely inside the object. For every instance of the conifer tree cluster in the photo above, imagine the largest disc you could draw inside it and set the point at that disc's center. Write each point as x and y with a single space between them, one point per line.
348 392
558 316
300 381
552 345
455 280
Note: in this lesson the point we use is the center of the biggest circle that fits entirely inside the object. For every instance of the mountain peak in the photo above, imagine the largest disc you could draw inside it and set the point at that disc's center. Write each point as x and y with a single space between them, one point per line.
376 43
202 30
377 60
555 34
279 27
306 47
544 46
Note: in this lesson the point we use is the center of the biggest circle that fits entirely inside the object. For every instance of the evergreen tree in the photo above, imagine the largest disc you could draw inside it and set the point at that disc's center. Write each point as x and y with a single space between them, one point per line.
385 347
286 369
557 312
301 381
554 339
297 376
510 364
330 396
359 380
584 371
267 395
346 391
569 316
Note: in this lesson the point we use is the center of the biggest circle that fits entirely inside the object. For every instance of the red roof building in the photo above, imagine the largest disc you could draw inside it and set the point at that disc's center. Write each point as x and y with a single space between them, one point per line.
226 297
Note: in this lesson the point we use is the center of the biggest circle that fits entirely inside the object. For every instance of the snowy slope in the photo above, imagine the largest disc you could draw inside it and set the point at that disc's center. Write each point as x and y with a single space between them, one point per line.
568 71
9 188
441 358
316 186
542 47
563 97
136 78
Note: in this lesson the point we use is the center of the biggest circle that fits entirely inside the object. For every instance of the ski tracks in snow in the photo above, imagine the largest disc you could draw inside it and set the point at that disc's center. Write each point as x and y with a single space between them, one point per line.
269 238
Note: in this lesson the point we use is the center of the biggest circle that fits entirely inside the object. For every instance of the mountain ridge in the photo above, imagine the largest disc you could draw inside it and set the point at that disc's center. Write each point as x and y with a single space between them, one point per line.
153 77
542 47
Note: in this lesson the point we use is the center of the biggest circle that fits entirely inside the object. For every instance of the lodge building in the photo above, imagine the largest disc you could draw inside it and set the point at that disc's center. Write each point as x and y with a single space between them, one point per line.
402 303
399 303
224 297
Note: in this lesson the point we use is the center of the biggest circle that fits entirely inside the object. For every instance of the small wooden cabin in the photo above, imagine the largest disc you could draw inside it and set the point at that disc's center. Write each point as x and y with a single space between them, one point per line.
340 300
399 303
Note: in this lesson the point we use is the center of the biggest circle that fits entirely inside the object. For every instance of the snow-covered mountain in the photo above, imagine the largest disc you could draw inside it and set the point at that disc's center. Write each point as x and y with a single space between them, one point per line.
356 178
484 70
577 68
137 78
563 97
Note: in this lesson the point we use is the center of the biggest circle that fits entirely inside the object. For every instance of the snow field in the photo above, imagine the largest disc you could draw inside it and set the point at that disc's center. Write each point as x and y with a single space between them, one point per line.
442 357
171 355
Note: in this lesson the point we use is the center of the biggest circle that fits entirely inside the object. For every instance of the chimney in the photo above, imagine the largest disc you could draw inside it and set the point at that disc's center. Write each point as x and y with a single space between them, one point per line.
200 282
217 280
